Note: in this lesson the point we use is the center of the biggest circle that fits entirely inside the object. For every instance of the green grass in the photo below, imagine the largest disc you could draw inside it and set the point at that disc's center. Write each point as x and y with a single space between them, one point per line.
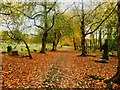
3 47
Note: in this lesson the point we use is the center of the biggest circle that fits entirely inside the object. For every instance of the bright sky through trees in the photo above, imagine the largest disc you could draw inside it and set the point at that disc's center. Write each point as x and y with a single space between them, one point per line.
64 4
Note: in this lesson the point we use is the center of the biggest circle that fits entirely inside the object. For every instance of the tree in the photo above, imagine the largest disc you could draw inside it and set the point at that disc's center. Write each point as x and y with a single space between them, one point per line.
42 13
100 40
93 22
16 25
63 28
116 78
46 28
57 31
44 19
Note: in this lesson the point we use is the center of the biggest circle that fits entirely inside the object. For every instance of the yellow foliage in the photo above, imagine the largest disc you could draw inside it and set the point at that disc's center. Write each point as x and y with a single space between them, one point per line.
66 41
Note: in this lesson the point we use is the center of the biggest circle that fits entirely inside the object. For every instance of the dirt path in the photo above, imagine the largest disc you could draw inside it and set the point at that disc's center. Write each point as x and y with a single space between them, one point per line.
69 73
74 71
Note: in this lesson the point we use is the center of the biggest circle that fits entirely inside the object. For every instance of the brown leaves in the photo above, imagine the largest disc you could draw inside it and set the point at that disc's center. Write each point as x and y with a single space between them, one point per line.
56 69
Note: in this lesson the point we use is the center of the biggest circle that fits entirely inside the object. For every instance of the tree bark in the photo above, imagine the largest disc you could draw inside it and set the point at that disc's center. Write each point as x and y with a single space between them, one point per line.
96 41
44 39
74 42
83 32
83 45
116 79
57 36
58 39
100 40
94 46
53 47
91 41
30 56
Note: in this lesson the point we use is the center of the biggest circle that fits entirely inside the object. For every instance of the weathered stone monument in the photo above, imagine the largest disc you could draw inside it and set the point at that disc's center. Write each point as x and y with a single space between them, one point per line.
10 52
14 53
105 56
106 52
9 49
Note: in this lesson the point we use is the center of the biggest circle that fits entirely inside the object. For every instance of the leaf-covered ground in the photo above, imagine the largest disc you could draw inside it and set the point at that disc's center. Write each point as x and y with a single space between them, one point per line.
60 69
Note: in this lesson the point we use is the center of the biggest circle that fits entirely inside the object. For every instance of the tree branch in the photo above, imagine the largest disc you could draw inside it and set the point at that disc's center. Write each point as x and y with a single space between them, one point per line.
52 6
64 10
5 13
38 25
92 25
96 8
53 22
102 21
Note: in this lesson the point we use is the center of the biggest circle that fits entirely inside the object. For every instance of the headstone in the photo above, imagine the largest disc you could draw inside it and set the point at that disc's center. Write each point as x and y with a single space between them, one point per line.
9 49
14 53
105 48
35 50
105 57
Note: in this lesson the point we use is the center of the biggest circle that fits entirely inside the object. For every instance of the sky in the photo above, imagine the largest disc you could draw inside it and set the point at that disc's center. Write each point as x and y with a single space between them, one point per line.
63 6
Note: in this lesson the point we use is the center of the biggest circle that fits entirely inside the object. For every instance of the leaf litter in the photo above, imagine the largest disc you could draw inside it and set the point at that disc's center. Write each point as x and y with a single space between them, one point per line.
56 70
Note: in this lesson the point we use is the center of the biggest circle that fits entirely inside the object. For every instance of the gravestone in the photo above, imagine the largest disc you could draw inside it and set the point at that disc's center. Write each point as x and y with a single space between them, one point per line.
105 48
14 53
9 49
35 50
105 56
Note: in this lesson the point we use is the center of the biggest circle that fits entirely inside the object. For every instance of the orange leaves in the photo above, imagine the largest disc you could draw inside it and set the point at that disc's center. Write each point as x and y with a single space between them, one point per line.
23 72
61 69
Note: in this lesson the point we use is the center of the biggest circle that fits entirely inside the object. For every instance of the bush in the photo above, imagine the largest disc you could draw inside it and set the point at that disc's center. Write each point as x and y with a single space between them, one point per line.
66 44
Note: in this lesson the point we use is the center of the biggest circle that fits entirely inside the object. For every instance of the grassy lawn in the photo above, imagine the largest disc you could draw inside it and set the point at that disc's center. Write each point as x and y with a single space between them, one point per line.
3 47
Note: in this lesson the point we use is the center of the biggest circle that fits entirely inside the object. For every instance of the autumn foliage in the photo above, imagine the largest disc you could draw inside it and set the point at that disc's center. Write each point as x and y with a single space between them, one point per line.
61 69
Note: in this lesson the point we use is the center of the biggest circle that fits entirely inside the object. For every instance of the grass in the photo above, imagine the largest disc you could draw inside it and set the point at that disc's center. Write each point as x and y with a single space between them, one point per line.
3 47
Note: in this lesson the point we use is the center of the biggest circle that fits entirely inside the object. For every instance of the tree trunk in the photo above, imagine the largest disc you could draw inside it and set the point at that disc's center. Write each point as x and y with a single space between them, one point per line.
83 33
106 51
44 39
94 46
96 41
53 48
74 42
30 56
90 44
117 78
83 45
56 40
91 41
100 40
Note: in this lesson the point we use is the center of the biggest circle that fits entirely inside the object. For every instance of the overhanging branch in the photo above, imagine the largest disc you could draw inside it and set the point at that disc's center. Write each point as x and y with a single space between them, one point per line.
38 25
102 21
5 13
92 25
52 6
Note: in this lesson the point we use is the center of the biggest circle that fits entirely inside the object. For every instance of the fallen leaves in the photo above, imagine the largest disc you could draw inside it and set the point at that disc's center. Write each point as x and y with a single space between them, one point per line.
56 69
